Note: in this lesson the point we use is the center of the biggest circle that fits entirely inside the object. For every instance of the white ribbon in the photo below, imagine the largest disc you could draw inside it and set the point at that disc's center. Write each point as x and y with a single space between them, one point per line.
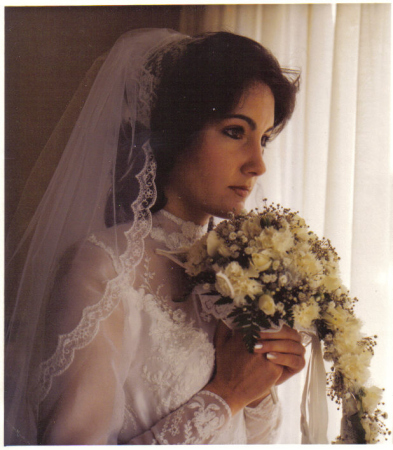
171 254
314 410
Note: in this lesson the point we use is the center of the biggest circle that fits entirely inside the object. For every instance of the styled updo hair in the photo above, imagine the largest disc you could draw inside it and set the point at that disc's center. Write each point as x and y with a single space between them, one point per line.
202 85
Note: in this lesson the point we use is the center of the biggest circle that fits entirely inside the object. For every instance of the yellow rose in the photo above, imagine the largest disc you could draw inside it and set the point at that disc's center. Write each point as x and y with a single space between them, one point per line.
224 286
266 304
261 261
213 243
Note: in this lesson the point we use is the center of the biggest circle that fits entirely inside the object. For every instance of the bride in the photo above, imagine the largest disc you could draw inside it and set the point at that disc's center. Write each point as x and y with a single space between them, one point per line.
98 350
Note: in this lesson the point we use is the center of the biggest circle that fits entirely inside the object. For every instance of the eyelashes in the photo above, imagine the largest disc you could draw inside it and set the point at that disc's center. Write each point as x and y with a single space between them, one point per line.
238 132
234 132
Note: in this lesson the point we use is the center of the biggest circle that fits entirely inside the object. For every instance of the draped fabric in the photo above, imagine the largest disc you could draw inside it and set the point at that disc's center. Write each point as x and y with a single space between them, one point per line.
333 163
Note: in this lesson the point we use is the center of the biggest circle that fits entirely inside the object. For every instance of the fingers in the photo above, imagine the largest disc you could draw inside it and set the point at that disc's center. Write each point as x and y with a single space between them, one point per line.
294 363
285 333
284 348
280 346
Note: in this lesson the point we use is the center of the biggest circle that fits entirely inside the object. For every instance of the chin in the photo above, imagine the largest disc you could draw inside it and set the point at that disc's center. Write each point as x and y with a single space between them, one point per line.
224 213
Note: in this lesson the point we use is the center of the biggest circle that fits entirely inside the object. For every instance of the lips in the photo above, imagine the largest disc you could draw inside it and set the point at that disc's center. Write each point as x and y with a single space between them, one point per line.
241 191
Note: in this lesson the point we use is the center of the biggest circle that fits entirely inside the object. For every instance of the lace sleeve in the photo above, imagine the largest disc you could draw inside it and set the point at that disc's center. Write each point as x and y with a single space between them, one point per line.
196 422
80 385
82 382
263 422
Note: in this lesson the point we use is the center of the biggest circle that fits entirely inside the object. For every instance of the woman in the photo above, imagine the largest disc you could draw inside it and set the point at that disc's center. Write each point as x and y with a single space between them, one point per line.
174 130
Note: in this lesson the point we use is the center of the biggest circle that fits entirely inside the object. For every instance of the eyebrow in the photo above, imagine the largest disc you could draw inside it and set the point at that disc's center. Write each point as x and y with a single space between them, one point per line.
247 119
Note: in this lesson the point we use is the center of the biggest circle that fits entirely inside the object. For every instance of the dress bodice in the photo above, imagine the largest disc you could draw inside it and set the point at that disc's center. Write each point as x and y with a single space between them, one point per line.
137 360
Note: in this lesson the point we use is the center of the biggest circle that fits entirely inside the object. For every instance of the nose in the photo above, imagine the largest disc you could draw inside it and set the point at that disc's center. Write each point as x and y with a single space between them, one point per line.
255 164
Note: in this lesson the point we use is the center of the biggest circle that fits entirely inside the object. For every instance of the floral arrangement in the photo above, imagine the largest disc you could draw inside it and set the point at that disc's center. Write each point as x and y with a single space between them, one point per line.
271 269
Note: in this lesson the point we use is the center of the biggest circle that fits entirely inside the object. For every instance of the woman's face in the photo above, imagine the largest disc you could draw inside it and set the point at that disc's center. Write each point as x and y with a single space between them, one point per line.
218 172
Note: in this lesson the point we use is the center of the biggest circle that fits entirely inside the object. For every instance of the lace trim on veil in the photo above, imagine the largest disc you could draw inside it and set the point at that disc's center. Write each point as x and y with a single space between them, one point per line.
79 338
93 315
142 223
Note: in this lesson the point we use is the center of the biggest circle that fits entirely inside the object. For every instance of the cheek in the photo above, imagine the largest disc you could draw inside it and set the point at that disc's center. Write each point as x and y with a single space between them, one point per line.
214 173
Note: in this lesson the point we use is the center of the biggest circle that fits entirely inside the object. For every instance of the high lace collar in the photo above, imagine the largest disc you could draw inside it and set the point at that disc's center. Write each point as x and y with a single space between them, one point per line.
174 232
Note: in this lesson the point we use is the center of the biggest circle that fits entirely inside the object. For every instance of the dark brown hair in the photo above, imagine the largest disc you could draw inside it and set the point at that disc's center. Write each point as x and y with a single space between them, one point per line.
202 85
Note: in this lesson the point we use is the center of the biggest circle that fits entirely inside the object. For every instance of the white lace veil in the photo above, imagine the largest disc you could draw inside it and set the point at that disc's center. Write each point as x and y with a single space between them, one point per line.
74 204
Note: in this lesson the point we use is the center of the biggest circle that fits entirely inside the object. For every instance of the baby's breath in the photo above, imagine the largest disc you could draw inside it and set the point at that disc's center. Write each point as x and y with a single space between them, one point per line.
272 268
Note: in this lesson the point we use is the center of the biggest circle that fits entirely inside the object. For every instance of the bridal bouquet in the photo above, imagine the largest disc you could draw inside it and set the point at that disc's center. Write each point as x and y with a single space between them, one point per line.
269 269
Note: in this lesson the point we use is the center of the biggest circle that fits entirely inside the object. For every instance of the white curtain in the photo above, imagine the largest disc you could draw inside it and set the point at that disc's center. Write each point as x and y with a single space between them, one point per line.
333 163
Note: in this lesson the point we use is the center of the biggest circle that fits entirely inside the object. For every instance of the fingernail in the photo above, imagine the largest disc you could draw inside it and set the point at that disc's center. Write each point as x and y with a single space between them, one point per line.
258 346
270 356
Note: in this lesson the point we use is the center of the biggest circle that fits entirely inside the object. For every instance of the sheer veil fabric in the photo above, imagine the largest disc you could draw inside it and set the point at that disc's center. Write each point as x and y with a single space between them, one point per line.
96 350
73 207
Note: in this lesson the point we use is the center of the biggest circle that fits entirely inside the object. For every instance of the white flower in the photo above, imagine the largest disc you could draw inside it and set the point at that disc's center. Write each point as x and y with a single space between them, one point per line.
252 227
266 304
280 307
215 245
244 239
224 286
299 220
237 283
372 398
213 242
302 233
282 241
331 282
269 278
339 318
348 336
308 264
306 313
264 239
261 261
355 367
197 258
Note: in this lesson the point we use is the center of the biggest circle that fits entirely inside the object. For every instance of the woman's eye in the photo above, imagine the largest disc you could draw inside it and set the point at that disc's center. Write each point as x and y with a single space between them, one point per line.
234 132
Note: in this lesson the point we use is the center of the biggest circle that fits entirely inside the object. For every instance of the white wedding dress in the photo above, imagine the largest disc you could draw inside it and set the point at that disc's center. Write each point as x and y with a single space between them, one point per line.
126 364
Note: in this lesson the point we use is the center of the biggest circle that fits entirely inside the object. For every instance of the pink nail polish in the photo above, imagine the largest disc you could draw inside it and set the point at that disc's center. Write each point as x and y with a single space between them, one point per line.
270 356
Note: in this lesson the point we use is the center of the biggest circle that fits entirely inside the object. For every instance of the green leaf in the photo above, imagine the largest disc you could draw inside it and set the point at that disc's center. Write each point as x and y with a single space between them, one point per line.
224 301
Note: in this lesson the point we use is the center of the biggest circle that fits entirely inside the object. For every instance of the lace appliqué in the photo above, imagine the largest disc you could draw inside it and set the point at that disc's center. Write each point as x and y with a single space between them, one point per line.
210 309
263 422
184 238
196 422
174 339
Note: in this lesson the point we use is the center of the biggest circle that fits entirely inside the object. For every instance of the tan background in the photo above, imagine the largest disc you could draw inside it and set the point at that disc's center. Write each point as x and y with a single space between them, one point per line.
48 52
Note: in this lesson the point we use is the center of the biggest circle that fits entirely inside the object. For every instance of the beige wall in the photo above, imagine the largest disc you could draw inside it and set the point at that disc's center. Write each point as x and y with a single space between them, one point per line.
48 52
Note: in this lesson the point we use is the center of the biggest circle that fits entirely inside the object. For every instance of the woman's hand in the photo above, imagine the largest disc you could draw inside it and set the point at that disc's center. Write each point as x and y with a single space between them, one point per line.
243 378
284 348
